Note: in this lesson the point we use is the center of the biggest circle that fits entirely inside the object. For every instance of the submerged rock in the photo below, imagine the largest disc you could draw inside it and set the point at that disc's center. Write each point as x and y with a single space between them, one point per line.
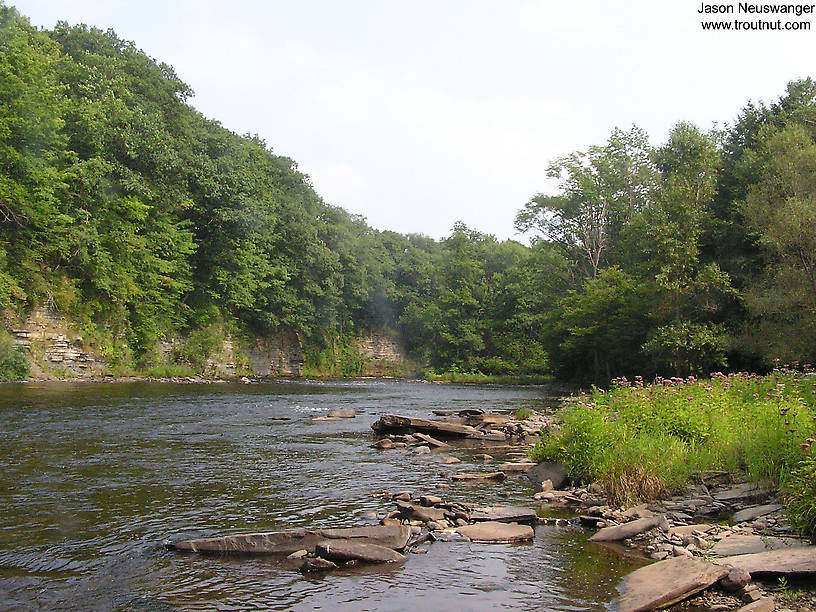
665 583
316 564
343 413
478 477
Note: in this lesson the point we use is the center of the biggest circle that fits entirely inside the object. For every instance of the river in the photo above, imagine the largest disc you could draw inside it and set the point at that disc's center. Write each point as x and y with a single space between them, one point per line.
95 477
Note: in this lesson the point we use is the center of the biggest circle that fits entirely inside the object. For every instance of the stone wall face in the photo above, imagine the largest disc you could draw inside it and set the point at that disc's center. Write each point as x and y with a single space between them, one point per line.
278 355
48 333
381 354
380 347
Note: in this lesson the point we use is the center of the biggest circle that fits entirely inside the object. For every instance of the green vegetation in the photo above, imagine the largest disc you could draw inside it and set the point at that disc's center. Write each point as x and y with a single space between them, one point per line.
144 222
642 441
13 361
523 413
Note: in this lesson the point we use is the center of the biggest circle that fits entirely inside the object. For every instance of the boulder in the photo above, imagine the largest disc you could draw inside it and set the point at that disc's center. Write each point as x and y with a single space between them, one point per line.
343 413
794 561
547 470
287 542
448 460
504 514
627 530
736 580
349 550
384 444
496 532
480 477
397 423
665 583
754 512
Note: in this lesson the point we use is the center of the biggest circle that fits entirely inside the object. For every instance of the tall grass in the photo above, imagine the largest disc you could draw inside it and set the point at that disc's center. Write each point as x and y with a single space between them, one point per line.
644 441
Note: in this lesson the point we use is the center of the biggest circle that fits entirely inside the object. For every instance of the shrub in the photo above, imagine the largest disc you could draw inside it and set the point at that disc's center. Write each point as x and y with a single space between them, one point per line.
644 441
13 360
800 495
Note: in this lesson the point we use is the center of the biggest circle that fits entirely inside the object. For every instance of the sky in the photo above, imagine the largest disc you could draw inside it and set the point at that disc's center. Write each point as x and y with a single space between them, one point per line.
418 114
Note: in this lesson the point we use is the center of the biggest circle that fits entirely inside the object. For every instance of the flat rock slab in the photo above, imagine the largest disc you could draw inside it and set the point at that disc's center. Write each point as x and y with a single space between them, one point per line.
766 604
431 441
665 583
516 468
397 423
349 550
754 512
504 514
745 492
478 477
795 561
684 530
547 470
627 530
752 544
287 542
496 532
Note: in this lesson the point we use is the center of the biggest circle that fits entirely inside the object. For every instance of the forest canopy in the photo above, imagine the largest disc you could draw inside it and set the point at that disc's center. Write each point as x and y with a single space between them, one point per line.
142 220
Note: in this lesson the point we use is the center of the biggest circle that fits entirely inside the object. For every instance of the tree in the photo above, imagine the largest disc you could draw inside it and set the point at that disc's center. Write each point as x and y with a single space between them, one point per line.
780 211
601 191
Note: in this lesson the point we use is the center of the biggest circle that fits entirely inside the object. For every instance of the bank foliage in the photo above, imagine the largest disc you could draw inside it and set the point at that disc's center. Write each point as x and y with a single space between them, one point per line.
144 221
643 441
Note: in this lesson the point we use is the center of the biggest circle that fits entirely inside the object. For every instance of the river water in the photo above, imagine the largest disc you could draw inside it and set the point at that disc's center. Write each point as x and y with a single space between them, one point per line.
96 476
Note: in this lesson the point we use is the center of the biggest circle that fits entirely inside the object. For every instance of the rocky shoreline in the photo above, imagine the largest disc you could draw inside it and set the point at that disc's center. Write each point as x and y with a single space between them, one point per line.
720 545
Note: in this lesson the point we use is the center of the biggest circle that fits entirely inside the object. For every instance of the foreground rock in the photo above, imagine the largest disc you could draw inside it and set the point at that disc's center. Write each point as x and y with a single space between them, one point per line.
627 530
497 533
393 423
394 537
349 550
665 583
792 561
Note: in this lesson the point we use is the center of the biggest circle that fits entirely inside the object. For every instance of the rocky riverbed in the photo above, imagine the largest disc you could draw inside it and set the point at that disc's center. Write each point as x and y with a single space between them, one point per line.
721 545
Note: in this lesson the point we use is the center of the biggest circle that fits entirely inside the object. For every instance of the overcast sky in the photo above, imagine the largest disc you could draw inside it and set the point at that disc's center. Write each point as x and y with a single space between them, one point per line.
417 113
